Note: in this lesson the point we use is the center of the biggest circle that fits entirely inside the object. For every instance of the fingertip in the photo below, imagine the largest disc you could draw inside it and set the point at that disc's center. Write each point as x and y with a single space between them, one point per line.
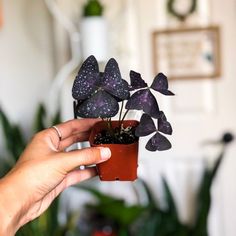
85 156
105 153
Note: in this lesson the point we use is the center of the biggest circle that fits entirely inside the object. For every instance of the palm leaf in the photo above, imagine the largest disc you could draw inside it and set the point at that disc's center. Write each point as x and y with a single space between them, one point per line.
169 199
204 198
39 123
114 208
13 136
151 199
57 118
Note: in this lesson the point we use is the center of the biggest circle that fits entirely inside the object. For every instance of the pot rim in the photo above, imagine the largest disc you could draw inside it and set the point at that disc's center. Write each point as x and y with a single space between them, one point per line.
112 144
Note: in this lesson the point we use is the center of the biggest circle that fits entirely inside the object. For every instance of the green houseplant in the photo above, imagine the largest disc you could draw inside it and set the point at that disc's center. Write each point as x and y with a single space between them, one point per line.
104 95
15 142
92 8
152 219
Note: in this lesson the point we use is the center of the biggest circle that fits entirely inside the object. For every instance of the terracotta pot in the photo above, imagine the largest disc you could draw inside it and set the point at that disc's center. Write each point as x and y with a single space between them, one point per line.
124 157
101 233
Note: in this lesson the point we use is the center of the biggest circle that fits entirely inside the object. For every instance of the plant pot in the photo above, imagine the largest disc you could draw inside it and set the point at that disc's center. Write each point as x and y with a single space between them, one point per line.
94 25
123 163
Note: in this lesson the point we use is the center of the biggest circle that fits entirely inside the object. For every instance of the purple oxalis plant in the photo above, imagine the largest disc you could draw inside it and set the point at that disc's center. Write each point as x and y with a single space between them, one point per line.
98 94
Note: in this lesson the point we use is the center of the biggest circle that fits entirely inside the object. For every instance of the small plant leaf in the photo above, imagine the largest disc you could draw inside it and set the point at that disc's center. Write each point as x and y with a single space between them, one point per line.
160 84
136 81
112 81
87 80
144 100
146 126
101 104
163 125
158 142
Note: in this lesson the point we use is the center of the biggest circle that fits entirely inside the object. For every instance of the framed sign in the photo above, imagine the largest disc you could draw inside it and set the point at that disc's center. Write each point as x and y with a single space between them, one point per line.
190 53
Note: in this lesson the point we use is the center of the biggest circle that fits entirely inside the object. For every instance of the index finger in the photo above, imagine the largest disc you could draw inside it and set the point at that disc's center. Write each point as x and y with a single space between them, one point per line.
71 127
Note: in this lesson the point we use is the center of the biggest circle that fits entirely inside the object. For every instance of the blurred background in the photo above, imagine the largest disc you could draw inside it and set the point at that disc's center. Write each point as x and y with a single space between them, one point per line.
187 190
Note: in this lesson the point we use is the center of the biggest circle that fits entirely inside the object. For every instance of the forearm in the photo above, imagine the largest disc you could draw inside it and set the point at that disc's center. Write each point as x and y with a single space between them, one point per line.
9 208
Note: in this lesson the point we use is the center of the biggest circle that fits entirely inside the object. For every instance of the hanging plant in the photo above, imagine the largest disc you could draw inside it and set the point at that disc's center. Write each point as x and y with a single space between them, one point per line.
181 16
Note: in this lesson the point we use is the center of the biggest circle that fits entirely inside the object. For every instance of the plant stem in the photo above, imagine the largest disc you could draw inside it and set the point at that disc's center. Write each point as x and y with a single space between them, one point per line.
126 112
121 109
107 123
121 120
110 129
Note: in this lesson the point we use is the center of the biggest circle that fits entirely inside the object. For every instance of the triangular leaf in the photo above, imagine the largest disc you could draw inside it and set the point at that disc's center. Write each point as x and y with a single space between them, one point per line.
158 142
163 125
112 81
146 126
144 100
136 81
87 80
160 84
101 104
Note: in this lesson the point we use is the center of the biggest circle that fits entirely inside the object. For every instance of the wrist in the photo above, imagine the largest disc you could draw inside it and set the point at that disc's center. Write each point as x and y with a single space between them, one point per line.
9 208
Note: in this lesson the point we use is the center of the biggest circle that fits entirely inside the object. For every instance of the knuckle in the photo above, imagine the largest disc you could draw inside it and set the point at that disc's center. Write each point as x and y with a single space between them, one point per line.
39 135
92 153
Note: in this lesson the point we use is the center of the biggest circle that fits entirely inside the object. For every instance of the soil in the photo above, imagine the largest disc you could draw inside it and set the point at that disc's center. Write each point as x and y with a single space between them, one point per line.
117 136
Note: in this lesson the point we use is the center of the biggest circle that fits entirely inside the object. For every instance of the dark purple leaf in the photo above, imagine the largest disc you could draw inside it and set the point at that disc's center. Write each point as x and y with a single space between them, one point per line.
87 80
163 125
136 81
160 84
76 104
143 100
112 81
101 104
120 100
158 142
145 127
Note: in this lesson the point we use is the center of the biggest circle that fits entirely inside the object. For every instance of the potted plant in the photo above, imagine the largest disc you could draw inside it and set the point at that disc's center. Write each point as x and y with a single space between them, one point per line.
93 23
103 95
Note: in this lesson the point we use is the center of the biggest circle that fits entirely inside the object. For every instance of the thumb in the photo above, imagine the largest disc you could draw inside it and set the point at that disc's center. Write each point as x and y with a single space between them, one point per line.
86 156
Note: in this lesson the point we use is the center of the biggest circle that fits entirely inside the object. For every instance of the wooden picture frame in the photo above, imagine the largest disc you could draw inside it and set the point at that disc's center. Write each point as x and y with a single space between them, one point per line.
187 53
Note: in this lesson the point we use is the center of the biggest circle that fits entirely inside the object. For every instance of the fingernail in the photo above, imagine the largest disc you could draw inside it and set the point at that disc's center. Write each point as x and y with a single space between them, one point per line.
105 153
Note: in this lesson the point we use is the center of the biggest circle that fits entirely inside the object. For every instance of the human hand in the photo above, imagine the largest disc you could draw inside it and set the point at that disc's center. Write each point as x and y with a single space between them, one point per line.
44 170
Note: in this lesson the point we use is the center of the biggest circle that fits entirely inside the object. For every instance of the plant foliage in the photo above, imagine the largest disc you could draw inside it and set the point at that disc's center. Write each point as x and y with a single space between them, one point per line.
153 220
102 94
93 8
15 142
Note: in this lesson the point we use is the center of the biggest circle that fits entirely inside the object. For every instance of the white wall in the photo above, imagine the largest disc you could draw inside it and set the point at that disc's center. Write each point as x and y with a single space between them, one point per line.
217 110
26 66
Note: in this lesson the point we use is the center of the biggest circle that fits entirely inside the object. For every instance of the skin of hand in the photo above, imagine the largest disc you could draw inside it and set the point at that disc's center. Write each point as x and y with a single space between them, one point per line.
44 170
